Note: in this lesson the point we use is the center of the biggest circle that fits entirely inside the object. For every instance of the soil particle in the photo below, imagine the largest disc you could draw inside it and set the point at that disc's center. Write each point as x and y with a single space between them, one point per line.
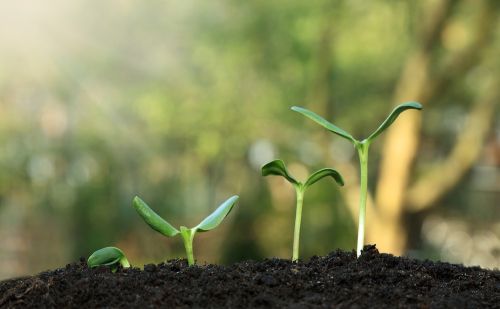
338 280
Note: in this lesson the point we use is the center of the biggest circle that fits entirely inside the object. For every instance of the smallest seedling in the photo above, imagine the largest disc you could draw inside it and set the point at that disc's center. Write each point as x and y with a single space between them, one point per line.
109 256
277 167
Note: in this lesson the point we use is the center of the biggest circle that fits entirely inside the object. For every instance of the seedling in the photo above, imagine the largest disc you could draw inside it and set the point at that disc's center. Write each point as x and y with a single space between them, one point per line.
158 224
109 256
362 147
277 167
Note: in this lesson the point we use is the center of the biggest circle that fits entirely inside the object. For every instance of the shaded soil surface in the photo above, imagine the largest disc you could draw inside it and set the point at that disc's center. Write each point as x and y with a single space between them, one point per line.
338 280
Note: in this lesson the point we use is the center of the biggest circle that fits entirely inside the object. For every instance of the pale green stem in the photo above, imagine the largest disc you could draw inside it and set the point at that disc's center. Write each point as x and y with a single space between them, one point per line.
187 237
124 262
363 162
298 217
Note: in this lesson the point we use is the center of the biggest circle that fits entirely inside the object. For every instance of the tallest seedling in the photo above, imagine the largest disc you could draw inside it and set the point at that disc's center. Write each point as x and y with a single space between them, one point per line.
362 147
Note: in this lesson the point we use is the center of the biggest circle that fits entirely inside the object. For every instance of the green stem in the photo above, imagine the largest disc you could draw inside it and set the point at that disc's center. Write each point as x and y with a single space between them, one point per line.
298 217
187 237
363 162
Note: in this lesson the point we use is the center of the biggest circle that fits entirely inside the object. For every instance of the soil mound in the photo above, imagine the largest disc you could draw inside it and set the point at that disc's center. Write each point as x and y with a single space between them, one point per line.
338 280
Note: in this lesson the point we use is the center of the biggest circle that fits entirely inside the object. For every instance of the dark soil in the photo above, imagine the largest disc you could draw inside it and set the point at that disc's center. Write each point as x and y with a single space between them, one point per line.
338 280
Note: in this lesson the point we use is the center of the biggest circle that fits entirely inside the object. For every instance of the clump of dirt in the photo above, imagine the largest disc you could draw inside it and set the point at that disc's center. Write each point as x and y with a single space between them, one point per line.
338 280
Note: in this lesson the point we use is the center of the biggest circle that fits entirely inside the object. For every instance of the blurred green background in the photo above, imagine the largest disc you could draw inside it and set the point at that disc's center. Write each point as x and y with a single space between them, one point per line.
181 102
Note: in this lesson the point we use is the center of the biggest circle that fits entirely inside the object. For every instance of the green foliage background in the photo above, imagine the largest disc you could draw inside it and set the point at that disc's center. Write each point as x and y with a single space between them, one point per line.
179 102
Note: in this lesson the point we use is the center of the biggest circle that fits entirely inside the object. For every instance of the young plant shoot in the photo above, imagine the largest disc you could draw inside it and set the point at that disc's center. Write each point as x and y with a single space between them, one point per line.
158 224
362 148
277 167
109 256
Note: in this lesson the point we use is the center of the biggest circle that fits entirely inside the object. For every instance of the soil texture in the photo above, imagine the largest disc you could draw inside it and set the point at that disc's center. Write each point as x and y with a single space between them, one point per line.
338 280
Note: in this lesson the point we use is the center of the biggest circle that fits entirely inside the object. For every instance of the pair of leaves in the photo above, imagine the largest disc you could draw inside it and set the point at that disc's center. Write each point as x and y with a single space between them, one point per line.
163 227
277 167
333 128
109 256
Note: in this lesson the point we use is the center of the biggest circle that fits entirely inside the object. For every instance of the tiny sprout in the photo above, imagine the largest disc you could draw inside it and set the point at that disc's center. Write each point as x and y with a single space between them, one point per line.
158 224
109 256
277 167
362 147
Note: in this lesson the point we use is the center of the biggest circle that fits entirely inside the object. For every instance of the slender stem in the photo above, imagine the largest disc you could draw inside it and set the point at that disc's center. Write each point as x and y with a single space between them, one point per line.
298 218
187 237
363 162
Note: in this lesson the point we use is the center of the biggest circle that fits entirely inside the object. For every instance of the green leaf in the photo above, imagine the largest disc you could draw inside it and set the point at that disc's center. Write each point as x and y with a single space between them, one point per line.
322 173
392 117
326 124
108 256
214 219
277 167
156 222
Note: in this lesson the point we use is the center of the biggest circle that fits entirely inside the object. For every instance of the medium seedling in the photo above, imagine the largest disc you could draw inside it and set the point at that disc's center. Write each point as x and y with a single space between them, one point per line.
109 256
158 224
362 148
277 167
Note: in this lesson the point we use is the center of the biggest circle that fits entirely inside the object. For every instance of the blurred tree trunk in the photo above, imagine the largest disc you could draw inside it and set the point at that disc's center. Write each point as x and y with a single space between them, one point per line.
418 83
402 139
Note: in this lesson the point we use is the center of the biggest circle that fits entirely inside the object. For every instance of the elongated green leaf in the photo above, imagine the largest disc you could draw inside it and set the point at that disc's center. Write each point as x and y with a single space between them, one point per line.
322 173
323 122
108 256
215 218
392 117
277 167
156 222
